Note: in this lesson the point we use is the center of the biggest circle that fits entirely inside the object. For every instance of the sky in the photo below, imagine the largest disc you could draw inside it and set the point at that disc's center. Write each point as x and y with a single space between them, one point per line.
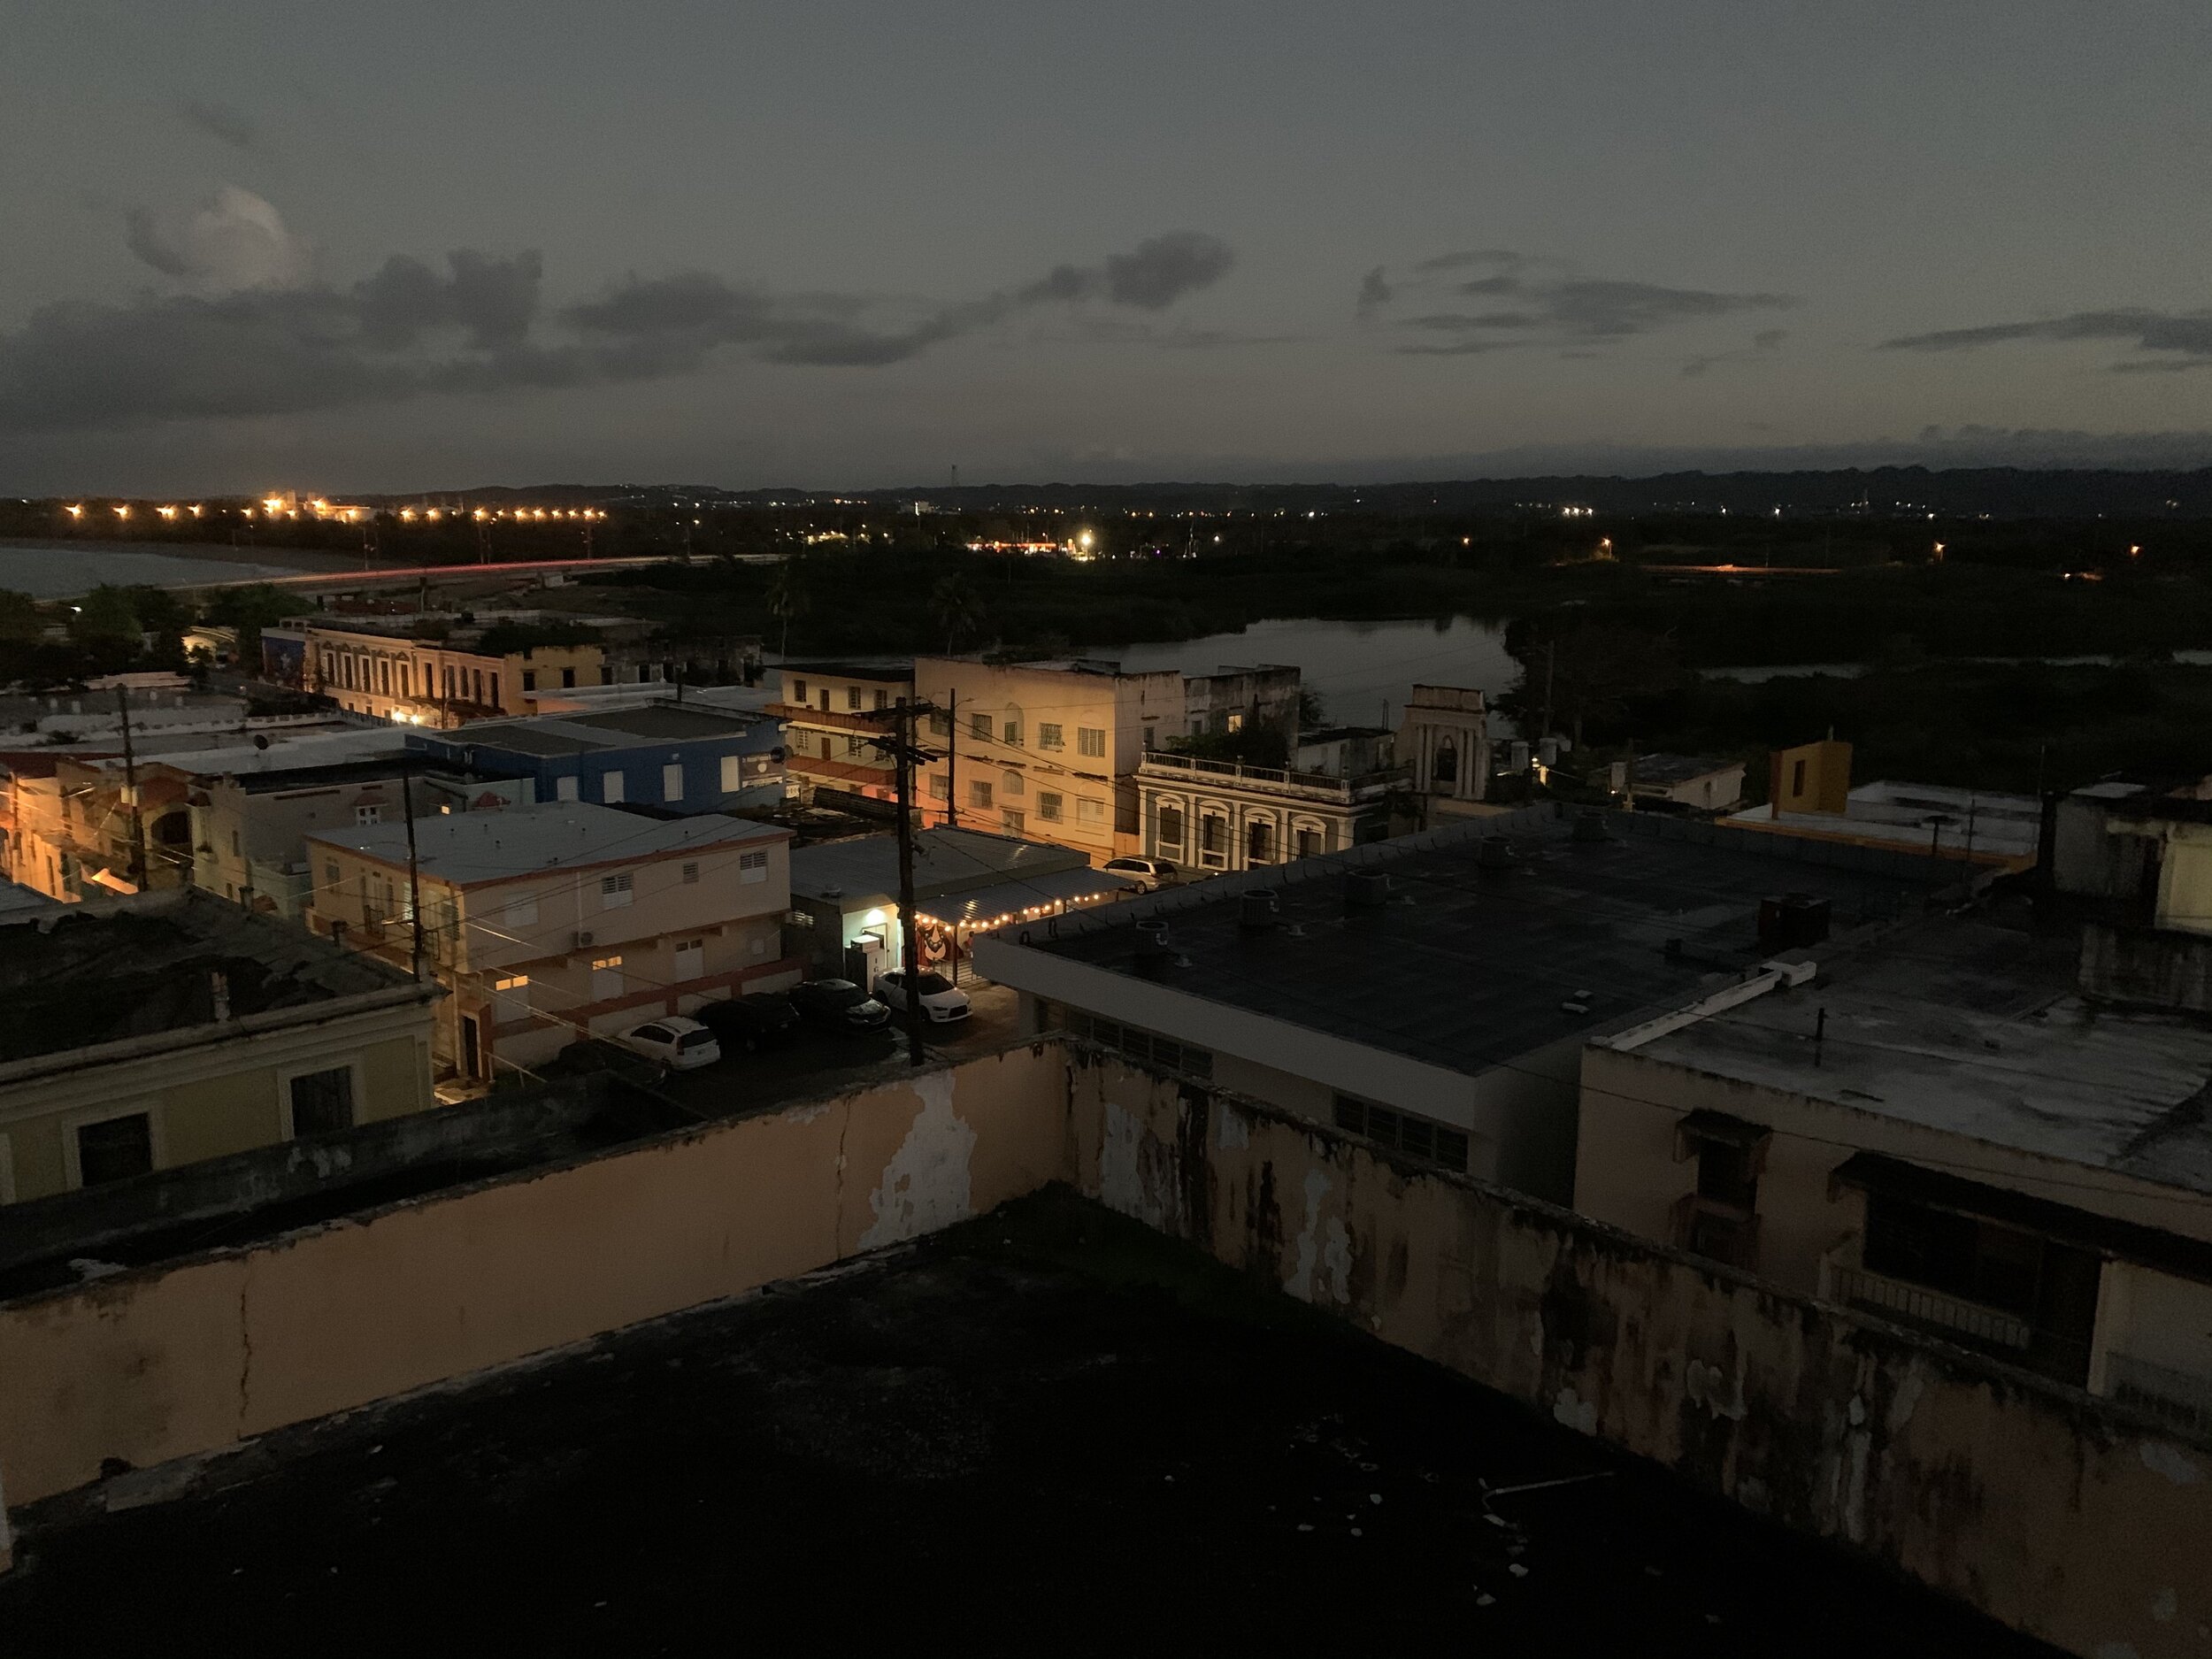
858 243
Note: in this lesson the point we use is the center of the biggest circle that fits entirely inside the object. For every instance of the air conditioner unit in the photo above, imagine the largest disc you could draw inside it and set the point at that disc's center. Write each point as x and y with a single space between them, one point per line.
583 940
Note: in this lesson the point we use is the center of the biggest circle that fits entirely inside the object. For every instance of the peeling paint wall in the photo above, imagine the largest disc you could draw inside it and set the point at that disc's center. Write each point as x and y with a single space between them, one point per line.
2055 1513
197 1355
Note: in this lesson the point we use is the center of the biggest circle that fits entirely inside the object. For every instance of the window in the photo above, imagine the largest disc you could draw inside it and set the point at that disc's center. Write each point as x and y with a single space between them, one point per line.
615 891
1309 843
610 788
691 874
568 678
606 676
852 696
1415 1136
519 913
606 979
752 867
978 793
980 726
479 687
565 788
672 781
115 1149
1797 777
1089 811
732 773
1236 724
1090 740
330 877
1259 842
1048 807
1213 835
940 787
1727 1175
1013 734
1140 1045
1012 822
883 700
1049 736
798 691
513 991
529 679
825 697
691 958
852 745
1013 783
1444 765
939 723
1171 826
237 846
322 1101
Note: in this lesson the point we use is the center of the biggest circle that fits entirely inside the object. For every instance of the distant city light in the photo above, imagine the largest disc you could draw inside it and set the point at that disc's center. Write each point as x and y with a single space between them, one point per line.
74 512
122 511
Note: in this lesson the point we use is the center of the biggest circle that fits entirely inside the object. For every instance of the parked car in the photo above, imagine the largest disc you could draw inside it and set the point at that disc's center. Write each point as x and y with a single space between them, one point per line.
942 1003
680 1044
591 1055
1150 874
750 1022
839 1005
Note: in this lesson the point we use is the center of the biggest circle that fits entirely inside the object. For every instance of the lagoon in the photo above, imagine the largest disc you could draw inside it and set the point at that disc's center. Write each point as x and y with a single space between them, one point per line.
63 573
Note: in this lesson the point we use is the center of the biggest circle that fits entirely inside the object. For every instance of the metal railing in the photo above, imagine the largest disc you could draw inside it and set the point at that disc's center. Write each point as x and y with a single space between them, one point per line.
2180 1397
1322 782
1924 1306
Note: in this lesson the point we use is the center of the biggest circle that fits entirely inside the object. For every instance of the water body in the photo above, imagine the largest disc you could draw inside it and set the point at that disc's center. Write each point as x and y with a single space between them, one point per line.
1759 674
63 572
1364 671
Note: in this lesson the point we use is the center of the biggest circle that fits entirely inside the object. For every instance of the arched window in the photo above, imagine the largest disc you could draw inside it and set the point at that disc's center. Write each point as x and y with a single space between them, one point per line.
1444 765
1259 842
1013 783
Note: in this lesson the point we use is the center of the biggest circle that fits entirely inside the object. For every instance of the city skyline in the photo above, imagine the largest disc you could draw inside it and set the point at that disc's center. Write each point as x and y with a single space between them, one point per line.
864 247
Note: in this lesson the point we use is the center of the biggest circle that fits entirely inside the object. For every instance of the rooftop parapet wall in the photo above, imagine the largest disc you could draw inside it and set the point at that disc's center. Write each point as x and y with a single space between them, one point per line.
2059 1514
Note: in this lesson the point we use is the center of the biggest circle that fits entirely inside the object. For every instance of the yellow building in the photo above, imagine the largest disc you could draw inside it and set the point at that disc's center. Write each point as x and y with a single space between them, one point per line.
143 1032
1049 751
380 668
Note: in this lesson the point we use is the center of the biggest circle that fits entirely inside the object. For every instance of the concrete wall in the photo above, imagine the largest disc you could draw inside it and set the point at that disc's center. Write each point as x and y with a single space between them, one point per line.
2077 1522
200 1354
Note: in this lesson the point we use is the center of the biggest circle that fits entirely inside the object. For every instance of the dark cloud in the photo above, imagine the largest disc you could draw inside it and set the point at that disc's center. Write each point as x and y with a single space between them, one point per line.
221 121
477 326
2184 336
1546 305
1764 344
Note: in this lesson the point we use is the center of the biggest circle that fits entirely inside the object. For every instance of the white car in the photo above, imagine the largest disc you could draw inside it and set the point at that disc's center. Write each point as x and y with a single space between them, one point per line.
682 1045
943 1003
1149 874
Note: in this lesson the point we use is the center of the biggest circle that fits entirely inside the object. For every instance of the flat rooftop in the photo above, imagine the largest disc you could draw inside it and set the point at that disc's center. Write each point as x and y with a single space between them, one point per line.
903 671
1469 966
1668 769
945 861
469 846
624 727
108 971
1974 1026
1047 1431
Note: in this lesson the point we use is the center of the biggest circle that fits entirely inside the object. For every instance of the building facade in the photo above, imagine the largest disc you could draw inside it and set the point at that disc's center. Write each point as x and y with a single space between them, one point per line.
382 671
1210 816
145 1032
833 714
671 757
553 923
1444 743
1047 751
1234 702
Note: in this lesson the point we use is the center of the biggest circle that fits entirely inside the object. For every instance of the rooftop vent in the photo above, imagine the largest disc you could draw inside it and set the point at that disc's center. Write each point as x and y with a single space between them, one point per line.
1261 908
1794 919
1590 825
1366 890
1496 853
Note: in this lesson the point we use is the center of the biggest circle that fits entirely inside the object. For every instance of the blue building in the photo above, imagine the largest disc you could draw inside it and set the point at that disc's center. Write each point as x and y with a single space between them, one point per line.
675 757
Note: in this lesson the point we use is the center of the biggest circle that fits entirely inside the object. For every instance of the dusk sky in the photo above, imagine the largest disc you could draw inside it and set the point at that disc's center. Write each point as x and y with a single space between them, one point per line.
428 246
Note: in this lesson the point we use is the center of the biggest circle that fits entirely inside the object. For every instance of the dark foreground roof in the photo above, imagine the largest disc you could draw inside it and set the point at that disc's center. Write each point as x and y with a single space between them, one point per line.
1049 1432
1467 966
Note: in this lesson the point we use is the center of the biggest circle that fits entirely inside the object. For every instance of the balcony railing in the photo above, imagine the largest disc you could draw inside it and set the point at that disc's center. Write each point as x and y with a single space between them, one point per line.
2180 1397
1343 789
1919 1305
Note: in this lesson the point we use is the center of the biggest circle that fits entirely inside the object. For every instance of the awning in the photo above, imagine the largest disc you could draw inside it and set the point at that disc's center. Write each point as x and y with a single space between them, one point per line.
2064 1223
1044 895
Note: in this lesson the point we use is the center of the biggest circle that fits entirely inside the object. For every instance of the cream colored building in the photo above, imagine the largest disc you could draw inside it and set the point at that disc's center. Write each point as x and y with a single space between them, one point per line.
831 713
1212 816
382 671
1046 751
144 1032
1933 1126
552 923
1444 743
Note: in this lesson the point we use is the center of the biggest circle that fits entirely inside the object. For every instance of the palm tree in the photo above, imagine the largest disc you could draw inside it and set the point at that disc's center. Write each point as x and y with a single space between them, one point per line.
954 604
787 598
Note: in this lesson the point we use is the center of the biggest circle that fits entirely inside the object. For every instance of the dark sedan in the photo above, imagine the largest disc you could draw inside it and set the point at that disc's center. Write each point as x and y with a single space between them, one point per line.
839 1005
750 1022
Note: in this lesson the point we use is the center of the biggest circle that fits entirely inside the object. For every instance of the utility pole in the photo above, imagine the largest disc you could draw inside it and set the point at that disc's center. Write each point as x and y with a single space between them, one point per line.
904 753
952 758
414 868
130 786
1551 654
